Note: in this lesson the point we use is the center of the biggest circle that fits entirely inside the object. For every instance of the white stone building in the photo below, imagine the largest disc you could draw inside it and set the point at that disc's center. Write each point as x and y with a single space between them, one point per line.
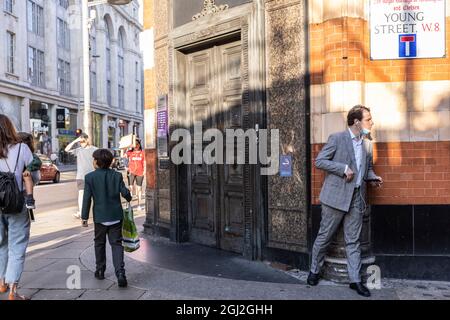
41 75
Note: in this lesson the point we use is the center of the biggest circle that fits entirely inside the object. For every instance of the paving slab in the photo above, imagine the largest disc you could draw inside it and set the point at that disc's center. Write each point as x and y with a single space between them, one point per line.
58 280
113 294
58 294
37 264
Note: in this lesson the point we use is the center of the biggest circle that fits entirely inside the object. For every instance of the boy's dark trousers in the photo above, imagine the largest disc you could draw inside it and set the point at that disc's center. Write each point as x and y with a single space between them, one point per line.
114 233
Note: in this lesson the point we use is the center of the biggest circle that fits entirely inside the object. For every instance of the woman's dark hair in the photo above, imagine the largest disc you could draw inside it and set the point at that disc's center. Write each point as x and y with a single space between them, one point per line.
104 158
27 139
8 135
356 113
138 142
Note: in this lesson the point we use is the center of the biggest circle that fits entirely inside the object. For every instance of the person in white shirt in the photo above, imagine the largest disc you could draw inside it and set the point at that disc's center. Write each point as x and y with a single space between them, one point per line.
83 152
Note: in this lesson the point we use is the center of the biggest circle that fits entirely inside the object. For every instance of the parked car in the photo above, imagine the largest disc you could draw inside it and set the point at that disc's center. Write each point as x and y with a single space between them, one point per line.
49 171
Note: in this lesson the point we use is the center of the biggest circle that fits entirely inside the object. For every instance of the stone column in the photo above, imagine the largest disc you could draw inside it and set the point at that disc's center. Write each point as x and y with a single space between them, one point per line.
114 77
117 132
131 127
25 115
53 129
105 127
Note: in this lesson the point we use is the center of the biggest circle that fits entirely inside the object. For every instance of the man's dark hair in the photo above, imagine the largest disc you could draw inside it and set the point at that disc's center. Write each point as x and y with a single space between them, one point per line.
356 113
103 157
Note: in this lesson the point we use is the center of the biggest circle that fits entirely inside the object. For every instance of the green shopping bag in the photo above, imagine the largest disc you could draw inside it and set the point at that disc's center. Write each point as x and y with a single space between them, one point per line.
130 235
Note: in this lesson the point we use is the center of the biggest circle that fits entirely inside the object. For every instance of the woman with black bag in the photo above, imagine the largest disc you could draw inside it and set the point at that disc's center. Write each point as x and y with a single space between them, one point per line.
14 218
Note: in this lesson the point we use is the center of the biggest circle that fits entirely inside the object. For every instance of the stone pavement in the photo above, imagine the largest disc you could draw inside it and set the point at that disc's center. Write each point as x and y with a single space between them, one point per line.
60 245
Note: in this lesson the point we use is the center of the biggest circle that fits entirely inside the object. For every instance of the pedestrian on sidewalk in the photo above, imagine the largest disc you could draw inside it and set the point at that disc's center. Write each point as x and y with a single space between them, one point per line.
14 219
348 161
104 186
136 171
83 150
32 174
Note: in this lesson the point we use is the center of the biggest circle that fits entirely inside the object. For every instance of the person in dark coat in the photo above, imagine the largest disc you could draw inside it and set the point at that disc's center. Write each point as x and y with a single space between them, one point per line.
105 186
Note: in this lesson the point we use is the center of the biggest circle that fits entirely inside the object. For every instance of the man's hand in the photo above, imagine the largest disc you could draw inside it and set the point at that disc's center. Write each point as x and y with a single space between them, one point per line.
349 175
26 174
378 183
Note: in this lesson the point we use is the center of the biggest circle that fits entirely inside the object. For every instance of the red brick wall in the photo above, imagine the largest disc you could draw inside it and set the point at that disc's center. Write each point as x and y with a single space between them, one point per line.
414 173
344 55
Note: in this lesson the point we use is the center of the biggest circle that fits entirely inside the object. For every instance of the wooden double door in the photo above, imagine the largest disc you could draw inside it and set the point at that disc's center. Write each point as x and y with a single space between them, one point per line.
216 192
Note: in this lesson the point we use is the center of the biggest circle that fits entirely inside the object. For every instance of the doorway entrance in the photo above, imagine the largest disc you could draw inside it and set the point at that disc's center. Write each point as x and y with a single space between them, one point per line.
214 94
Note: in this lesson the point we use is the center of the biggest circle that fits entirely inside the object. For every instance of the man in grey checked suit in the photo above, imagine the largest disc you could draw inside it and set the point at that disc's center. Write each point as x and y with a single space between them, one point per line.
347 160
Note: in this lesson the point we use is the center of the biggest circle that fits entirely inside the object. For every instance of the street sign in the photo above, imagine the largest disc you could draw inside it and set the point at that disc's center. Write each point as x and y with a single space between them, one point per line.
407 29
408 46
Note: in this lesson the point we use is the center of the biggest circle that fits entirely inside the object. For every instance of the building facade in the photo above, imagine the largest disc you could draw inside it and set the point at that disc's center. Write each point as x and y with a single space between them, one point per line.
296 66
41 71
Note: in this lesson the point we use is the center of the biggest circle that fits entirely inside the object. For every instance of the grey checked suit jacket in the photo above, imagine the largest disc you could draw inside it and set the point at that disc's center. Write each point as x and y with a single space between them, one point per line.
335 155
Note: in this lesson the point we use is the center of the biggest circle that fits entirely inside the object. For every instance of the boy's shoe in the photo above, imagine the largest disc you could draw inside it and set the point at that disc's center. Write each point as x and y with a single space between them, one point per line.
122 280
100 274
29 201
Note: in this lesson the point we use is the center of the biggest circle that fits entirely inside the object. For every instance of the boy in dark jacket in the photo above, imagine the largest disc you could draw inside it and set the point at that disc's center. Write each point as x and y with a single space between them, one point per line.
105 186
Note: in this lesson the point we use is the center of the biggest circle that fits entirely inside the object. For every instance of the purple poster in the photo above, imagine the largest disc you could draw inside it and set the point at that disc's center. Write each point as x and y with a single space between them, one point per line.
162 123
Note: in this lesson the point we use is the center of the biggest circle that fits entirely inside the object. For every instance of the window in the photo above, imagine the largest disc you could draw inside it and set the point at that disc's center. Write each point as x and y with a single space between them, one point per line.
63 35
121 70
137 71
120 54
10 51
64 77
64 3
36 67
108 61
9 6
137 101
108 64
108 92
138 85
35 18
121 97
121 67
93 81
93 69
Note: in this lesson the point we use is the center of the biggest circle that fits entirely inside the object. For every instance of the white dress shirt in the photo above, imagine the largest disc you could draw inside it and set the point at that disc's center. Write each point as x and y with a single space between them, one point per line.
357 148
